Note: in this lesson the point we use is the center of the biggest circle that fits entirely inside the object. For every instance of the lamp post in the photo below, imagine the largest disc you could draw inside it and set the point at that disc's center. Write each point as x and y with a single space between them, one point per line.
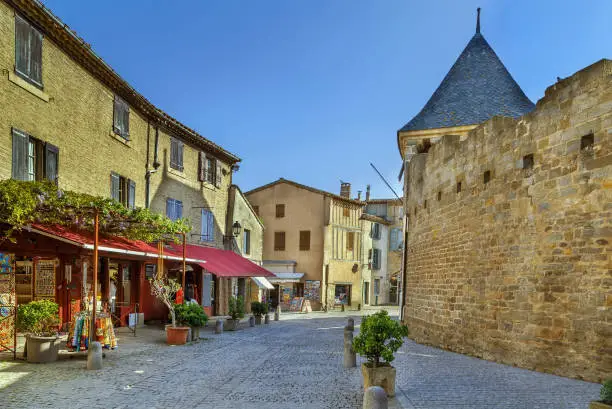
236 229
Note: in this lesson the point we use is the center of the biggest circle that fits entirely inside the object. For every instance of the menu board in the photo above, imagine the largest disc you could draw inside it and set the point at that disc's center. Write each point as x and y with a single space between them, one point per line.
44 286
312 290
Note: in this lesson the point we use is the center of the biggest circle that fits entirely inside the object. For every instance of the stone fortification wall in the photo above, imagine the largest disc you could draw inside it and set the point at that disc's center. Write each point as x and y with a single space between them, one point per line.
518 269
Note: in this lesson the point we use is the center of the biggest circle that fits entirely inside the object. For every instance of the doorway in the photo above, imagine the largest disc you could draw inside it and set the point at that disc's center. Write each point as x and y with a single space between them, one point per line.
366 293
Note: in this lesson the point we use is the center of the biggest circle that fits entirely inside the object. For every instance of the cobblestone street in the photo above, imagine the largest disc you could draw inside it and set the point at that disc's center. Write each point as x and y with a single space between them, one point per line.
295 363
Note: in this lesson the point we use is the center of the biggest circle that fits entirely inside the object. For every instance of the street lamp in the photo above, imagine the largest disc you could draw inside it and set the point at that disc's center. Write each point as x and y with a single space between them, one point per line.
236 228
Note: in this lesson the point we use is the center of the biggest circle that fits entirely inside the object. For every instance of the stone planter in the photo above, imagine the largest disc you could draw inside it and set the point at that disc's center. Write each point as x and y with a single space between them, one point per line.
258 320
42 349
599 405
176 335
231 325
383 376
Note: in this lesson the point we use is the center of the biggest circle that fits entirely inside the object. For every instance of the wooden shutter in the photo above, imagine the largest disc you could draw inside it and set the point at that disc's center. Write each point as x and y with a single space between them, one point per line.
279 241
201 166
115 187
22 46
125 113
36 40
20 155
181 147
350 241
179 209
51 162
218 174
305 240
131 197
280 210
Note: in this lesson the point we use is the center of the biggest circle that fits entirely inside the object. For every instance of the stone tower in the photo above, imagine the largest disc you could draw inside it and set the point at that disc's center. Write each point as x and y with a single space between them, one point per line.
477 87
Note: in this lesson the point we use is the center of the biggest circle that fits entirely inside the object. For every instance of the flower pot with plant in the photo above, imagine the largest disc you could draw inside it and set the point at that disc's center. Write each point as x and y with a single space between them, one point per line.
236 312
259 309
192 315
40 320
165 289
379 338
605 397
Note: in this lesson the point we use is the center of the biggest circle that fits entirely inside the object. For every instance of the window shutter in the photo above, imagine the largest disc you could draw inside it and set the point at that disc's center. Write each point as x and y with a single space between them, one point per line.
179 209
20 155
180 155
35 56
131 194
201 166
22 44
115 187
211 226
51 162
116 116
218 174
125 110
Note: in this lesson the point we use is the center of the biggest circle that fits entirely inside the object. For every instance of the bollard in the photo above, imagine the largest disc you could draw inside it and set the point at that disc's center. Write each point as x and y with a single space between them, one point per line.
219 326
350 359
375 398
350 324
251 321
266 319
94 356
277 313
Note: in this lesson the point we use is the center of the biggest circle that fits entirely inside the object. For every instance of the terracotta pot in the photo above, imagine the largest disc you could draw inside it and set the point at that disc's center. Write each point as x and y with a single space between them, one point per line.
599 405
42 349
176 335
383 376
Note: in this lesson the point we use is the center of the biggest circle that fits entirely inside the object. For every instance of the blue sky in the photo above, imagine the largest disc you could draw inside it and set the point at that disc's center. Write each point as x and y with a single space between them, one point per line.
314 90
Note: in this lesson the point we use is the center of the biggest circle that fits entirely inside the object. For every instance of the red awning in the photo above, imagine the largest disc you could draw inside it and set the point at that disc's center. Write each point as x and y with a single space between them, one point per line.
225 263
111 244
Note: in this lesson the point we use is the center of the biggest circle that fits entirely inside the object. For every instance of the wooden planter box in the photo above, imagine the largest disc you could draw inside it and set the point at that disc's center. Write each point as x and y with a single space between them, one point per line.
383 376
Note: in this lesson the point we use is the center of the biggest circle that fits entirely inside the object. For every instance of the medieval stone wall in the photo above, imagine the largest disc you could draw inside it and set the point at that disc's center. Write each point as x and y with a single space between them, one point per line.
518 270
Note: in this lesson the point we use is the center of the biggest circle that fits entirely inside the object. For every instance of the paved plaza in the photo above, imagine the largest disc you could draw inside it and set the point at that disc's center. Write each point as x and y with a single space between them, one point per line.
294 363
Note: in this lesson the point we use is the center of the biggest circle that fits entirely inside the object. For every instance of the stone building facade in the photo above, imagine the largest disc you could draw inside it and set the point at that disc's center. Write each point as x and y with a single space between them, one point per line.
509 237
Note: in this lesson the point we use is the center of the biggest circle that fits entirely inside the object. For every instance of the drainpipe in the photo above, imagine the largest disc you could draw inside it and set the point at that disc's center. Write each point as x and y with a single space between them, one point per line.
155 165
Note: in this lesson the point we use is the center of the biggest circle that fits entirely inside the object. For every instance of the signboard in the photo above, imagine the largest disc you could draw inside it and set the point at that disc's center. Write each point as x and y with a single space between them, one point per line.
132 320
287 292
296 304
312 290
306 307
44 286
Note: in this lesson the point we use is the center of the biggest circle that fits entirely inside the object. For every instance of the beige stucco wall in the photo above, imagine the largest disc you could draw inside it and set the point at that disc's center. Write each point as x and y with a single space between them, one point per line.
243 213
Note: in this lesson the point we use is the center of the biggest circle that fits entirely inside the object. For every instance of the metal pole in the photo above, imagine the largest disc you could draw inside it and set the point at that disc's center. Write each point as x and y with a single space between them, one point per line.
92 331
184 266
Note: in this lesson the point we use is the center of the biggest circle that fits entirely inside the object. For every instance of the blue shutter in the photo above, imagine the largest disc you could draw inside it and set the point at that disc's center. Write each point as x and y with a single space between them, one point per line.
211 226
170 209
179 209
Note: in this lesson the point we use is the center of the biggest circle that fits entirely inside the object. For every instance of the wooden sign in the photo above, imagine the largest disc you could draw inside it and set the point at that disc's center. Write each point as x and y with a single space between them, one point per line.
306 306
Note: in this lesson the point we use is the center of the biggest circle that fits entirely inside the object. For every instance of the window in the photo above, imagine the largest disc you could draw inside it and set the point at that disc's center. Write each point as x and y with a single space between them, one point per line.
208 226
375 259
123 190
350 241
246 241
376 286
528 161
587 142
174 209
279 241
280 210
346 211
425 204
305 240
256 210
375 231
28 52
458 187
121 118
176 154
487 177
209 169
33 159
395 241
439 196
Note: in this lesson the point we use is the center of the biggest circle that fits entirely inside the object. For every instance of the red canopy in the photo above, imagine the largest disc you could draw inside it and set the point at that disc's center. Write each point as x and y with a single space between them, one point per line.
224 263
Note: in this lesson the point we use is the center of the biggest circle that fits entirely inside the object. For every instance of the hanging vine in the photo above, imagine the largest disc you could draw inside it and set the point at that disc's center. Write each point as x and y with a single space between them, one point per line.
26 203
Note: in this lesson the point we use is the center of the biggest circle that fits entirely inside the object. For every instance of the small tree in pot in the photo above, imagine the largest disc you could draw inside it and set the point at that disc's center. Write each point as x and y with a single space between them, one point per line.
165 289
192 315
379 338
236 312
259 309
39 320
605 396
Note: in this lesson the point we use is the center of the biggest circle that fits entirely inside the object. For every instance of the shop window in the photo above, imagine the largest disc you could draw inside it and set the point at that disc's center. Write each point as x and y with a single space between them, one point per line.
279 241
246 241
123 190
121 118
304 240
350 241
28 52
174 209
208 226
342 294
280 210
176 154
587 142
34 159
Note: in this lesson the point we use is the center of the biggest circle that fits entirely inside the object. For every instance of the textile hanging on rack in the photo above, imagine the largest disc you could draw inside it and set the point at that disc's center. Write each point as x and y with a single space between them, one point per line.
78 337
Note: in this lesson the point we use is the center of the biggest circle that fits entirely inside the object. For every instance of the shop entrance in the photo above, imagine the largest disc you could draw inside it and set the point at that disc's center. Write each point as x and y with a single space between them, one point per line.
343 294
366 292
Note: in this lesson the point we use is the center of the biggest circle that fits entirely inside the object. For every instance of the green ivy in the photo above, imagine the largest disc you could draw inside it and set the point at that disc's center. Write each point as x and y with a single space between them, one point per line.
379 337
23 203
606 392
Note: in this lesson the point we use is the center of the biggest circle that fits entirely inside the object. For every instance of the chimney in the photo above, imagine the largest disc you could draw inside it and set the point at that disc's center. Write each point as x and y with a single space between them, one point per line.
359 195
345 190
367 193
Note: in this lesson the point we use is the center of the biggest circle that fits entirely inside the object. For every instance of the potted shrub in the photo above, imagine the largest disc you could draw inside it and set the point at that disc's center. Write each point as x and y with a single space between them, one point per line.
39 320
379 337
192 315
165 289
259 309
605 396
236 311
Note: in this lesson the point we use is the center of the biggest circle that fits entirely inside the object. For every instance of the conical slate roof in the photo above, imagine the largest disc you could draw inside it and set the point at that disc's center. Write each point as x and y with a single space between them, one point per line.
476 88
